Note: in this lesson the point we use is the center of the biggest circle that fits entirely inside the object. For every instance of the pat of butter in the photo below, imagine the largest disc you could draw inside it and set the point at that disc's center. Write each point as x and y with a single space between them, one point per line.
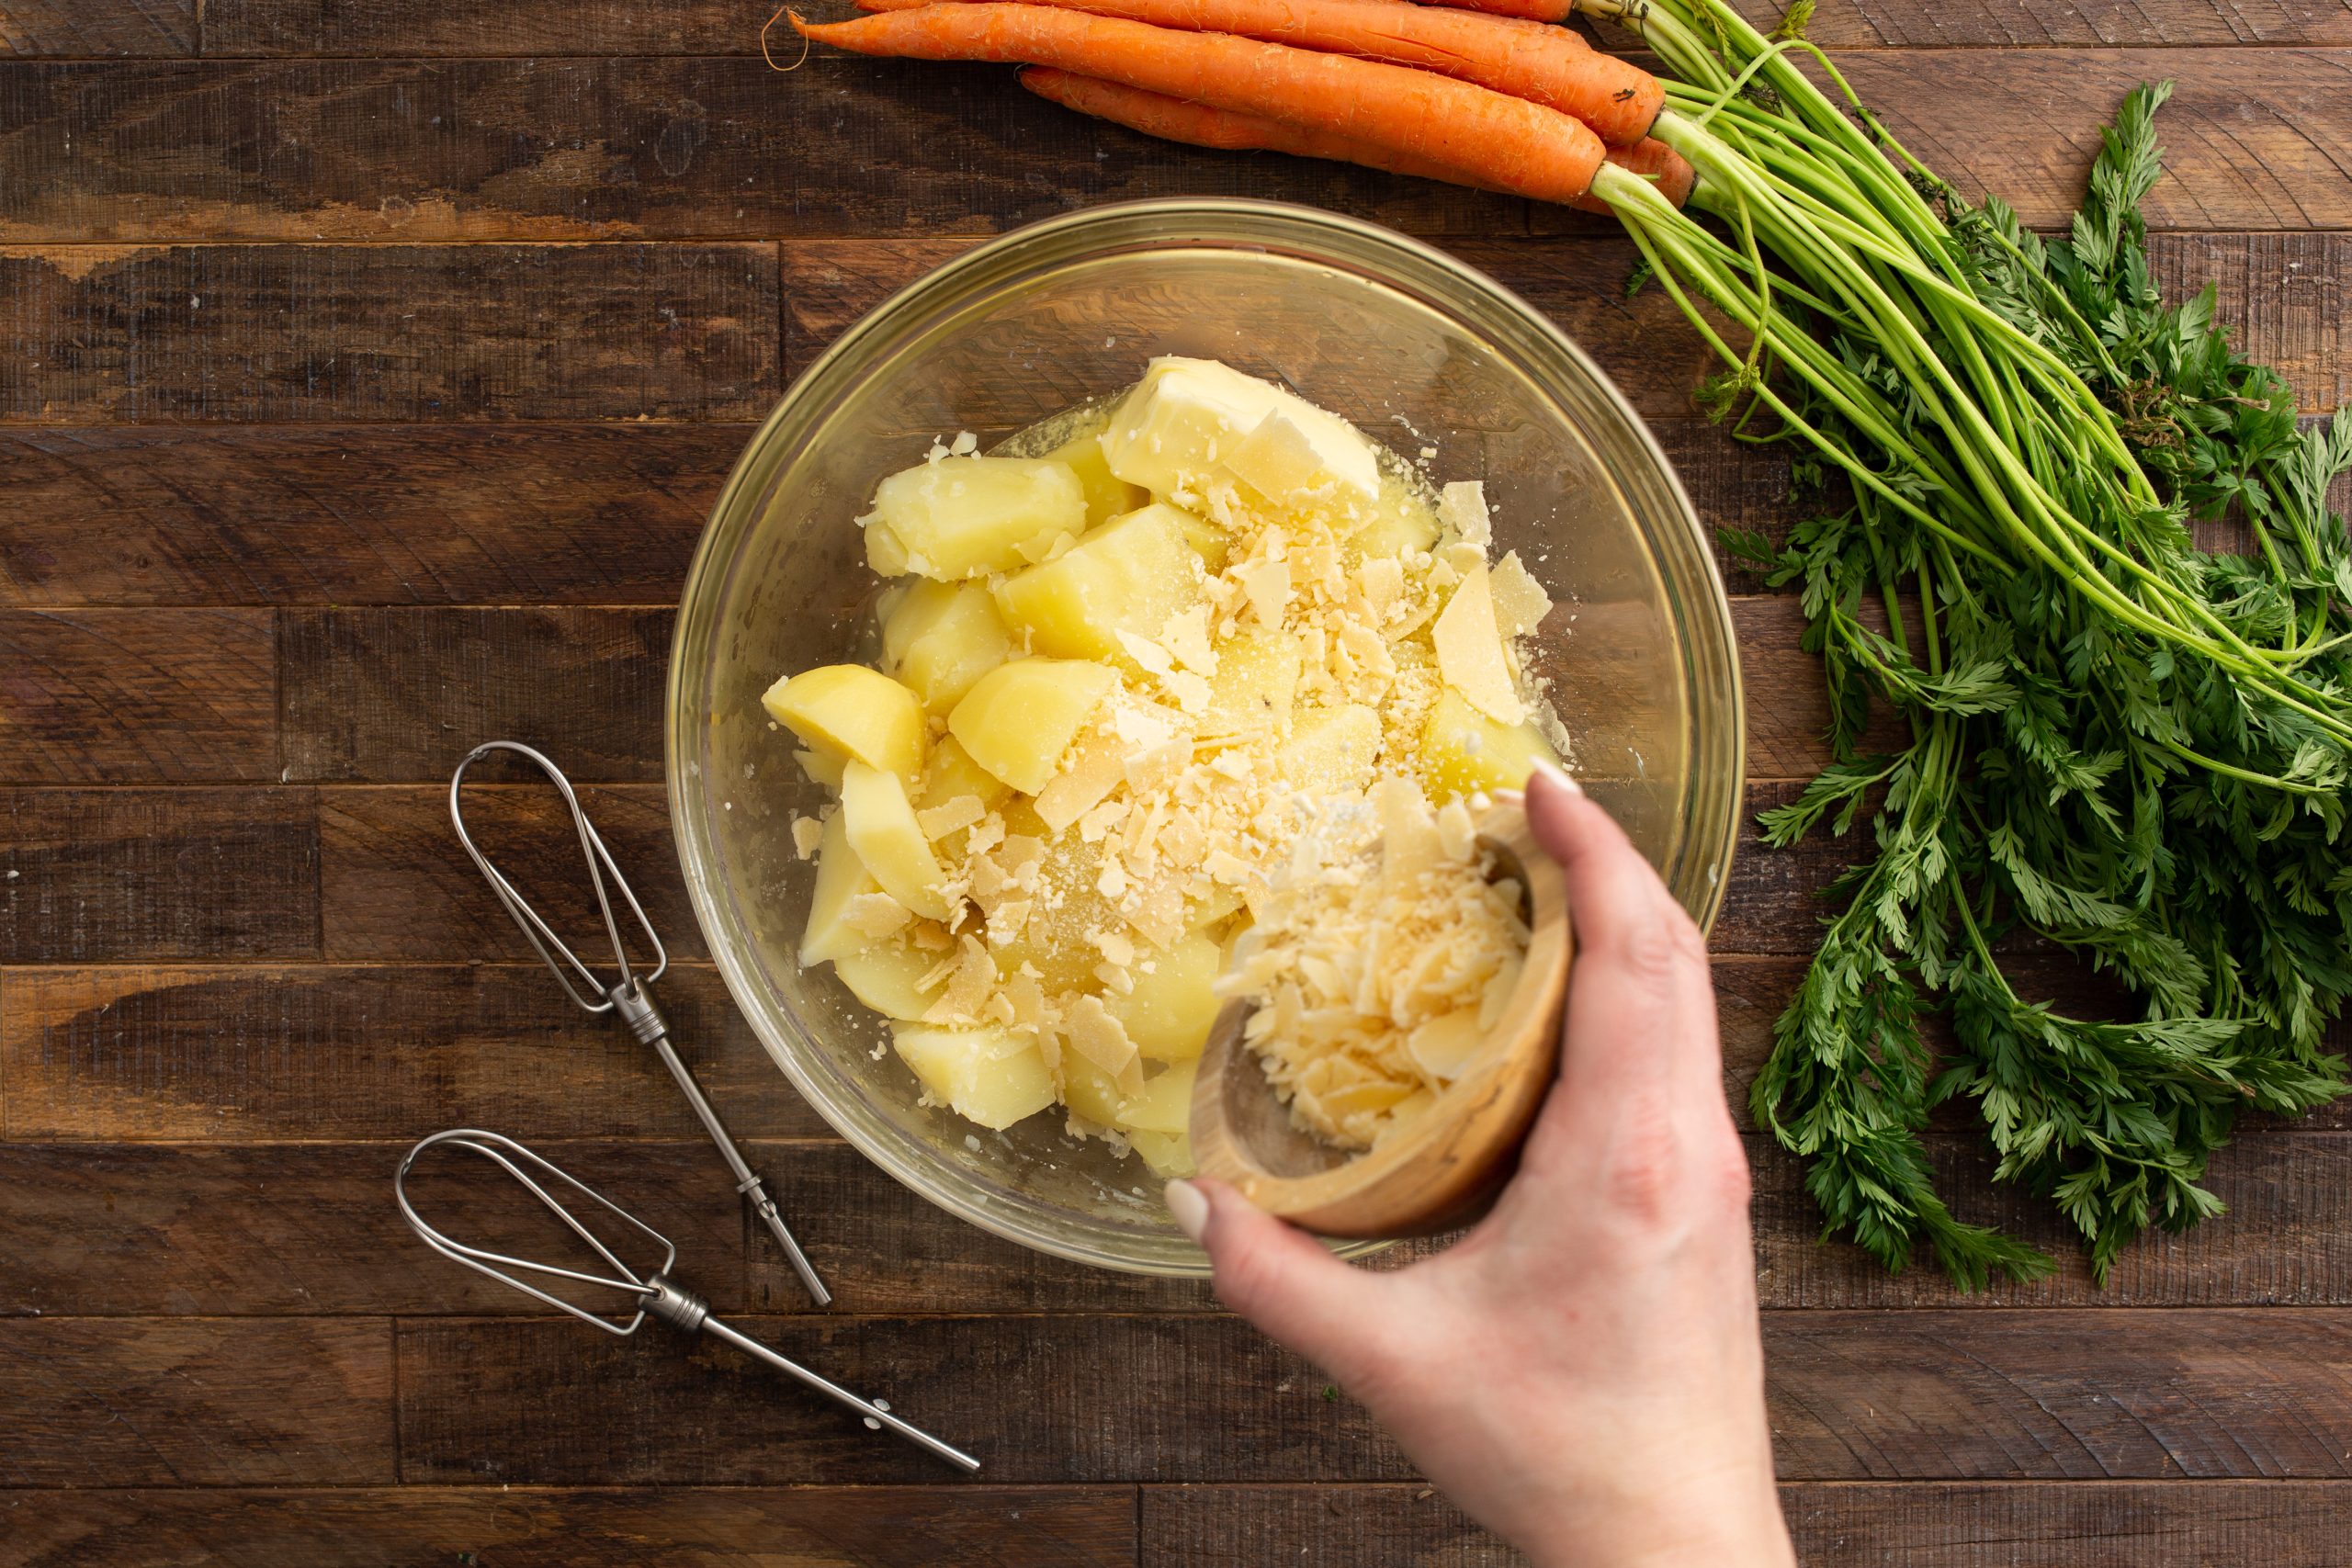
1286 456
1190 421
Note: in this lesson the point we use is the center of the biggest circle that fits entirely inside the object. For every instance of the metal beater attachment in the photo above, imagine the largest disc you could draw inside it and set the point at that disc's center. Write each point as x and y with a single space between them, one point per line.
628 998
655 1295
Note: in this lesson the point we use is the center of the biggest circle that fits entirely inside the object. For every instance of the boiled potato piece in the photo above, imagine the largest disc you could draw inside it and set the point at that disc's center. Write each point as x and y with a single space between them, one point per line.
823 767
1088 1090
1331 749
904 609
1166 1103
1465 752
968 516
1019 718
1401 521
993 1077
840 876
880 826
1165 1154
1107 495
883 976
951 772
1169 1013
1053 941
1128 576
1256 680
946 641
854 712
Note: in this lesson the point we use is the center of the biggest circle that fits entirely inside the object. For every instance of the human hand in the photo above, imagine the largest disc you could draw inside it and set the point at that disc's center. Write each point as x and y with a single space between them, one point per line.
1582 1373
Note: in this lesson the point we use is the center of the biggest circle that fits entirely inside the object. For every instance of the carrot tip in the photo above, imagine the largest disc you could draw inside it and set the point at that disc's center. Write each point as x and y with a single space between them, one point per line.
798 25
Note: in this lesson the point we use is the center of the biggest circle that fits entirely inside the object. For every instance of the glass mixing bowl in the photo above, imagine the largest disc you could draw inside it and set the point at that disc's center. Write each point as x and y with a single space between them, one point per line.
1428 356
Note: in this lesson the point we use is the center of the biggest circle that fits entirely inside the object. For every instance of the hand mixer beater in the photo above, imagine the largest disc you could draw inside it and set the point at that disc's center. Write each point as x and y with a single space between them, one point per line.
654 1295
630 998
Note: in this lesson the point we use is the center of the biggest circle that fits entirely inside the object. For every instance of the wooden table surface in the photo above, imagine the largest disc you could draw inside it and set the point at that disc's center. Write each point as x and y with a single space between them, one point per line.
370 366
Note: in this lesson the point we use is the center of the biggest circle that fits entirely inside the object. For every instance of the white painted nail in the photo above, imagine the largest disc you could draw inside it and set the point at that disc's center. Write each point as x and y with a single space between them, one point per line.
1558 778
1189 1207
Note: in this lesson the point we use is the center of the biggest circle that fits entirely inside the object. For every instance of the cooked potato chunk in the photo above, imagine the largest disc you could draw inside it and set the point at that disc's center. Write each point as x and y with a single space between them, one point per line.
1019 718
1401 521
1256 678
1088 1090
993 1077
946 640
951 772
1188 421
966 516
852 711
1127 576
883 976
1107 495
1166 1103
880 826
1165 1154
1169 1013
840 876
1331 749
1465 752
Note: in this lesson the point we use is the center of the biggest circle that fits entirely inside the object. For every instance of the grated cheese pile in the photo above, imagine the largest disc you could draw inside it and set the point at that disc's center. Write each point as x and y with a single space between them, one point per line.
1383 951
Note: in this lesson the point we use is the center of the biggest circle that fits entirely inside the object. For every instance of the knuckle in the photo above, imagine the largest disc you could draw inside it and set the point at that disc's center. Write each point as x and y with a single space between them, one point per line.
1650 954
1639 1173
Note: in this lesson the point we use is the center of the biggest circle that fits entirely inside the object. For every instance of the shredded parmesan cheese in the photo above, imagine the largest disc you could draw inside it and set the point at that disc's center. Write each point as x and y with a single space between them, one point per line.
1383 950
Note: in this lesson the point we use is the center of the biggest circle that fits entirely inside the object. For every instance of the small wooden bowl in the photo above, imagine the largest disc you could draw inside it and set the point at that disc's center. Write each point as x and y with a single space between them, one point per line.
1443 1169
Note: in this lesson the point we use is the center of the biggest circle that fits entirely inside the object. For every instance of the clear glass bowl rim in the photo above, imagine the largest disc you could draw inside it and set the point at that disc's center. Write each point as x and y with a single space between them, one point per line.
1389 258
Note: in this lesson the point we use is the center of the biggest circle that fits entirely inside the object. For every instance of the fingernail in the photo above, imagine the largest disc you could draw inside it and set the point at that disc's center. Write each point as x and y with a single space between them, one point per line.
1557 779
1189 1207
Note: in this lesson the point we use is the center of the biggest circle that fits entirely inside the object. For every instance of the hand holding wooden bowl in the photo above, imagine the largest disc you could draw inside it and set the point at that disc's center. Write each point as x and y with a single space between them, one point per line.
1442 1169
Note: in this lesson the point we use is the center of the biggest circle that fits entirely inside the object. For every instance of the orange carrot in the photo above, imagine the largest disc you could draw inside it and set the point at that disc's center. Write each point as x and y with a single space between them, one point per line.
1495 140
1197 125
1545 65
1532 10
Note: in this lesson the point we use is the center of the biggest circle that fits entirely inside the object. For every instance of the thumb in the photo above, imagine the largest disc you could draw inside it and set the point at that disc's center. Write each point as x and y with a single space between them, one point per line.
1277 1276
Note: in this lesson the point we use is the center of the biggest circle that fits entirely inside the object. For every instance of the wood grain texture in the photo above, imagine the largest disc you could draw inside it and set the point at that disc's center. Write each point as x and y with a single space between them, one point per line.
254 1052
66 28
398 885
898 1527
407 29
396 333
367 515
542 1402
310 1229
2280 1524
118 696
127 875
2097 1395
194 1402
420 151
394 696
1854 1525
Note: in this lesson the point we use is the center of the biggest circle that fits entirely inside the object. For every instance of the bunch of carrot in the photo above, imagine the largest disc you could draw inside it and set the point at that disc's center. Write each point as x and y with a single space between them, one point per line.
1504 102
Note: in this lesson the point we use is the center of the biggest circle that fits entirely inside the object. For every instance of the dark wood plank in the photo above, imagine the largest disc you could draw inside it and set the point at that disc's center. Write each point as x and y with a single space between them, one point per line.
310 1229
565 148
407 29
260 1051
130 875
66 28
405 332
393 696
1986 24
2251 136
145 696
2285 297
1323 1526
1934 1395
426 150
2280 1524
398 885
380 514
1039 1400
186 1402
806 1527
1851 1525
307 1229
